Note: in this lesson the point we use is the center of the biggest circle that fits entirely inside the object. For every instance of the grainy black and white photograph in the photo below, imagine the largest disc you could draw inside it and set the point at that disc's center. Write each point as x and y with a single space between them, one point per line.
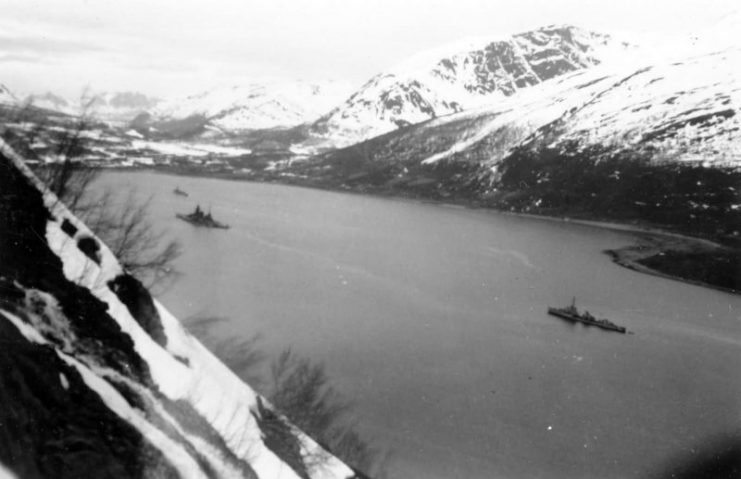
370 239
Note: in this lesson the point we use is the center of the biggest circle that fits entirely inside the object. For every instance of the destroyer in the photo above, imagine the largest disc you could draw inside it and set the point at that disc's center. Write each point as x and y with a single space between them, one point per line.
571 313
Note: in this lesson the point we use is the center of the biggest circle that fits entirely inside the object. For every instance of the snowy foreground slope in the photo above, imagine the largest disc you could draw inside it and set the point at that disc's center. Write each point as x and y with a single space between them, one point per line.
97 379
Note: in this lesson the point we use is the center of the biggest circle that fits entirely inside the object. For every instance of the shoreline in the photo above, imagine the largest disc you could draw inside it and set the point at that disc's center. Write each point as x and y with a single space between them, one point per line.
630 257
650 241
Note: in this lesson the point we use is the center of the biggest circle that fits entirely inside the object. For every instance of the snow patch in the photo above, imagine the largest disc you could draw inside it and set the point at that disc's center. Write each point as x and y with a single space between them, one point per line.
133 133
176 455
25 329
6 473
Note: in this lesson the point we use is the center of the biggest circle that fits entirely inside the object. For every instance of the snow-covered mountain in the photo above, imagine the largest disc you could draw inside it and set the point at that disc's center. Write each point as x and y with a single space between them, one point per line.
98 379
116 107
51 101
580 138
120 106
255 106
466 75
681 111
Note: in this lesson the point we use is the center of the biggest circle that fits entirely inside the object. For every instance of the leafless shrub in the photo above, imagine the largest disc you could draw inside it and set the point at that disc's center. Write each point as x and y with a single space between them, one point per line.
123 224
121 221
68 177
241 354
302 391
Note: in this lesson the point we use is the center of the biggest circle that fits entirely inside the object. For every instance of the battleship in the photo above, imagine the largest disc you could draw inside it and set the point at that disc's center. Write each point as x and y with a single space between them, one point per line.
571 313
199 218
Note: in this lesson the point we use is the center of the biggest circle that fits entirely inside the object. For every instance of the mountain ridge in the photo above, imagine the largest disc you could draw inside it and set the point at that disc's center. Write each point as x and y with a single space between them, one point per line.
470 75
245 107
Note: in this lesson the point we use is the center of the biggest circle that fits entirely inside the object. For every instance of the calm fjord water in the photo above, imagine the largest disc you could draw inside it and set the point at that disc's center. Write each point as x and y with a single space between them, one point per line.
433 320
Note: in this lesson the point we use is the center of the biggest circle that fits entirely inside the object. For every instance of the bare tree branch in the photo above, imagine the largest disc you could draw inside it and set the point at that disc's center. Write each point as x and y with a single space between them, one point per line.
122 222
302 391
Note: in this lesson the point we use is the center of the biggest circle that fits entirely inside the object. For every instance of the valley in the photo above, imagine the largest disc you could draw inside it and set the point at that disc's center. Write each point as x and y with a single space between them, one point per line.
458 296
402 238
655 147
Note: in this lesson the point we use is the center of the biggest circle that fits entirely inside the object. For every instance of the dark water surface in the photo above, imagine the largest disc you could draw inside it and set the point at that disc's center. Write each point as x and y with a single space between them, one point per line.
433 319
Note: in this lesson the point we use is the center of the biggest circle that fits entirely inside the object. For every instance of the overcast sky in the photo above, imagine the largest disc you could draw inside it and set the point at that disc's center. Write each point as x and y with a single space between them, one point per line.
177 46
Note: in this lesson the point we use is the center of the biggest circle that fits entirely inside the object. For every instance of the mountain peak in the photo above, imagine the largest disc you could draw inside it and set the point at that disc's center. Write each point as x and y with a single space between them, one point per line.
467 74
429 58
256 105
49 101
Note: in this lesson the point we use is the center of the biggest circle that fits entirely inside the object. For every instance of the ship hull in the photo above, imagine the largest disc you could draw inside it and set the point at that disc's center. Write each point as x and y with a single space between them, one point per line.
202 224
579 319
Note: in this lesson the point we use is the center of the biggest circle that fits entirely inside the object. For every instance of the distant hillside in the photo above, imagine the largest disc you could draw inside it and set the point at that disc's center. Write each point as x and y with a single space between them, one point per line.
660 144
242 108
50 101
115 107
